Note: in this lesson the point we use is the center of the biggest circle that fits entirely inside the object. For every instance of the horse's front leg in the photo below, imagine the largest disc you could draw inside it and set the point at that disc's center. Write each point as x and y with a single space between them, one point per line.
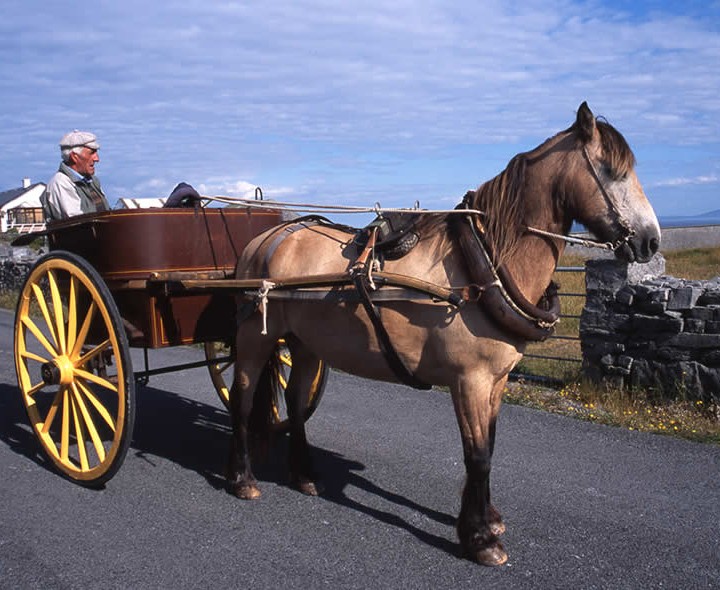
476 403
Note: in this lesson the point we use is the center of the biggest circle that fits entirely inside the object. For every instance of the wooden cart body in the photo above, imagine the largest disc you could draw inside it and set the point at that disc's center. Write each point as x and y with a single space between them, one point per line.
138 251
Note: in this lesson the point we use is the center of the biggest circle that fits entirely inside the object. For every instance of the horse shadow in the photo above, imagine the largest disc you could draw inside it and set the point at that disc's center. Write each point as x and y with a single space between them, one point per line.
195 436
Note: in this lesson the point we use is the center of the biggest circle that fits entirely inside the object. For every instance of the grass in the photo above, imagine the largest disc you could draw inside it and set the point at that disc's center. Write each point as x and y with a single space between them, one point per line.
635 411
8 299
696 263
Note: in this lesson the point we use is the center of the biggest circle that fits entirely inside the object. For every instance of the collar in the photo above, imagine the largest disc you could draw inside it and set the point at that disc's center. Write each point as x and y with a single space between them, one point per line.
74 175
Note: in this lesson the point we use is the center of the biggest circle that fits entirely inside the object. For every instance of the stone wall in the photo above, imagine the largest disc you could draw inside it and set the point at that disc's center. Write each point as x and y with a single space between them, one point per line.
15 264
643 329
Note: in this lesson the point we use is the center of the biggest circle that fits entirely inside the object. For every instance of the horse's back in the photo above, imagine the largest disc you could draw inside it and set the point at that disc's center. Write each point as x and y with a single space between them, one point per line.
298 249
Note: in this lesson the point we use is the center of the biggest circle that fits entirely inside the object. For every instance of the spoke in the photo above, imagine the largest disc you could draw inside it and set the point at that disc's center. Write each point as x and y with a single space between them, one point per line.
79 436
65 434
97 404
52 412
84 329
40 298
95 379
281 379
35 388
222 368
93 352
33 357
89 425
72 314
285 359
40 336
57 306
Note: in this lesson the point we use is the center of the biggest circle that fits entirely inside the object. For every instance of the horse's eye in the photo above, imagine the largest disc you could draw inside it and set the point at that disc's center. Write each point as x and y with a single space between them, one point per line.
611 172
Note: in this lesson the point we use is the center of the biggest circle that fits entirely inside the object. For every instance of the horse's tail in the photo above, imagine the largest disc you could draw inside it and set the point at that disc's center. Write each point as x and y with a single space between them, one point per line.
261 417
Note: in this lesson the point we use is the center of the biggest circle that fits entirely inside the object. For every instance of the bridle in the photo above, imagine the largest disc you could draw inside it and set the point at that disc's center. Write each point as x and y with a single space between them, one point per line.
588 242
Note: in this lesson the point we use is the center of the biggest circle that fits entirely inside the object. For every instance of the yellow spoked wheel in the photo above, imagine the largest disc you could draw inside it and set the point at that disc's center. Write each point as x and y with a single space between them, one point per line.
221 372
74 369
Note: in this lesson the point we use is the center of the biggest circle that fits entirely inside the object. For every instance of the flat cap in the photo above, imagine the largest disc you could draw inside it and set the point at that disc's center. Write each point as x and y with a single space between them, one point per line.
79 139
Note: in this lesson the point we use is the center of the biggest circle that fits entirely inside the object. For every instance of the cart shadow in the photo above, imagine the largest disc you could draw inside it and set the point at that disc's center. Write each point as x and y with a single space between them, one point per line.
15 430
195 436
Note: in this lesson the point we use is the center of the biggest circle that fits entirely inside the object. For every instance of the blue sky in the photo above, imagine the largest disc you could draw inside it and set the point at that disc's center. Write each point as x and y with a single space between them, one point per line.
356 102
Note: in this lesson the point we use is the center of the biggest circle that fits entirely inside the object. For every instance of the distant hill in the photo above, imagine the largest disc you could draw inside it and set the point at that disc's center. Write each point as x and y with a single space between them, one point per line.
715 213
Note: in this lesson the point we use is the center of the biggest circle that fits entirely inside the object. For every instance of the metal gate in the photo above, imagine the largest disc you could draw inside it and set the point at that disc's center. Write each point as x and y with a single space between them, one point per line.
559 358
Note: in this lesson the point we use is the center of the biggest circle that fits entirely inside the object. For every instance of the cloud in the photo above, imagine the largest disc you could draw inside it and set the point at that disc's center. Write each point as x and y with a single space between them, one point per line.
697 180
302 95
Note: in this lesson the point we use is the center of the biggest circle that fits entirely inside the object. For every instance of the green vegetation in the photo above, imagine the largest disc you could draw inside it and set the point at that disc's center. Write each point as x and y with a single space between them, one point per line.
697 263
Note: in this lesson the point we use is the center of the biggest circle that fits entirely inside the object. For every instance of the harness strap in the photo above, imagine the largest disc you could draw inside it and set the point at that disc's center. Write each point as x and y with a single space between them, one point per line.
396 364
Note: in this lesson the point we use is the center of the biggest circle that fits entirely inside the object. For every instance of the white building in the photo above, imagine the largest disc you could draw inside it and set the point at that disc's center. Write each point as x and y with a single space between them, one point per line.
21 209
145 203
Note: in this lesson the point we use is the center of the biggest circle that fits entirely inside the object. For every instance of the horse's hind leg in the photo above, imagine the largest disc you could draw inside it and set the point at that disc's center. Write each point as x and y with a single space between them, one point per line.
250 363
297 397
479 523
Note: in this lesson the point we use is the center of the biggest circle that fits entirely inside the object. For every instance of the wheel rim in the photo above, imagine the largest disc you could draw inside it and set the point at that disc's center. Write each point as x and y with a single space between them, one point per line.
72 368
221 374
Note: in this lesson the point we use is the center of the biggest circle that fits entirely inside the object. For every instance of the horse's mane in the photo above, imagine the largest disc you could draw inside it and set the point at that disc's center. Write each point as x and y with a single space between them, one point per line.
501 198
618 155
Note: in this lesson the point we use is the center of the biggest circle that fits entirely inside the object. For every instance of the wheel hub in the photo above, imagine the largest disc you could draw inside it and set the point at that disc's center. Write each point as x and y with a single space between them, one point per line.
59 371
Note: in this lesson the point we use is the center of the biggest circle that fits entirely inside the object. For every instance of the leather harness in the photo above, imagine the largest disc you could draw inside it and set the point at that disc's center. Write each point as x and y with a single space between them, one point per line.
492 288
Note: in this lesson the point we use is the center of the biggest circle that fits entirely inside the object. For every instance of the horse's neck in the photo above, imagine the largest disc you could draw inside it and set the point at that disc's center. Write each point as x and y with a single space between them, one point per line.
533 265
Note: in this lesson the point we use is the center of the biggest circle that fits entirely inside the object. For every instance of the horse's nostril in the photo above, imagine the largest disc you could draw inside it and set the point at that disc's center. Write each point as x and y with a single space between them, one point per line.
654 245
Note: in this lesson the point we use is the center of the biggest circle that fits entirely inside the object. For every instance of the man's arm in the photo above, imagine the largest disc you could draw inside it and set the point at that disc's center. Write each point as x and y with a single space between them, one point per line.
62 199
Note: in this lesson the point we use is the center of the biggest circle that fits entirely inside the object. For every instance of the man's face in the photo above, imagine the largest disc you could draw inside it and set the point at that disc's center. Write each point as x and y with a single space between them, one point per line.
83 162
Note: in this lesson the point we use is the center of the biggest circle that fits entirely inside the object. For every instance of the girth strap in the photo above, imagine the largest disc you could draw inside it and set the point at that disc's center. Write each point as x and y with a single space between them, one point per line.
388 350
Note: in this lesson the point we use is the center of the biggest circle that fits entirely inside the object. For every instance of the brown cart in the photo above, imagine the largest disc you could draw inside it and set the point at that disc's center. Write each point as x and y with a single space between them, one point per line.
108 284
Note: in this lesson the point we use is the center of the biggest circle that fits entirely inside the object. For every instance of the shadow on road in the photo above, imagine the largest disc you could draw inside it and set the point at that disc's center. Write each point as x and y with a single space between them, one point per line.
195 436
15 430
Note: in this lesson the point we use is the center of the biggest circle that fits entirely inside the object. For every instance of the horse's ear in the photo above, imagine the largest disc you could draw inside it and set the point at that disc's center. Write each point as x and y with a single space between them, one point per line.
585 122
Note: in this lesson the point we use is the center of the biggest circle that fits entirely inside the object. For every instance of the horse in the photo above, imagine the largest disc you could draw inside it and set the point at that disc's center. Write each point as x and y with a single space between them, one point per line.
517 220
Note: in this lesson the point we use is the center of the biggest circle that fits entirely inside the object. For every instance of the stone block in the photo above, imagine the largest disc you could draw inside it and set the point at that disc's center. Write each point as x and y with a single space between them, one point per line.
669 354
712 327
646 324
695 341
684 297
700 313
611 274
711 358
624 364
625 296
694 326
709 297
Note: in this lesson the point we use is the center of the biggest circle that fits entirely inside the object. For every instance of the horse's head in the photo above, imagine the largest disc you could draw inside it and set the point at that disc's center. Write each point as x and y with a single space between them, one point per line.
608 197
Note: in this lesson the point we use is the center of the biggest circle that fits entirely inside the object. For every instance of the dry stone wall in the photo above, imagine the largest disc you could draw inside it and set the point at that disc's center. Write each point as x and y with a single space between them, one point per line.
643 329
15 264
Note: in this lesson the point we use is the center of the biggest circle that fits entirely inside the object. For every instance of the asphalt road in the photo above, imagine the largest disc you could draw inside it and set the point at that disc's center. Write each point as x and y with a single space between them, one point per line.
586 506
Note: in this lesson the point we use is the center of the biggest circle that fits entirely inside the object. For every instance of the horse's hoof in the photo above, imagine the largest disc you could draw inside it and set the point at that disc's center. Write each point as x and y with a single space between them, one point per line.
309 488
247 492
491 555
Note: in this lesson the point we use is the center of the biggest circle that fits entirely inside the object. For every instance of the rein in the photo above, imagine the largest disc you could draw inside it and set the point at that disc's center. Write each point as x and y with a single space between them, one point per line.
379 210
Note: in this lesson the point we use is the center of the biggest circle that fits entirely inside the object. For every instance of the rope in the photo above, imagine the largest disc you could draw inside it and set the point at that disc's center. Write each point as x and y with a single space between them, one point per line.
378 210
263 295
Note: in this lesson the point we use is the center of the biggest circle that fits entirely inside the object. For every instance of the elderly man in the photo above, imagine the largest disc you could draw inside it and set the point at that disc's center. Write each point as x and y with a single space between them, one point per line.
74 189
